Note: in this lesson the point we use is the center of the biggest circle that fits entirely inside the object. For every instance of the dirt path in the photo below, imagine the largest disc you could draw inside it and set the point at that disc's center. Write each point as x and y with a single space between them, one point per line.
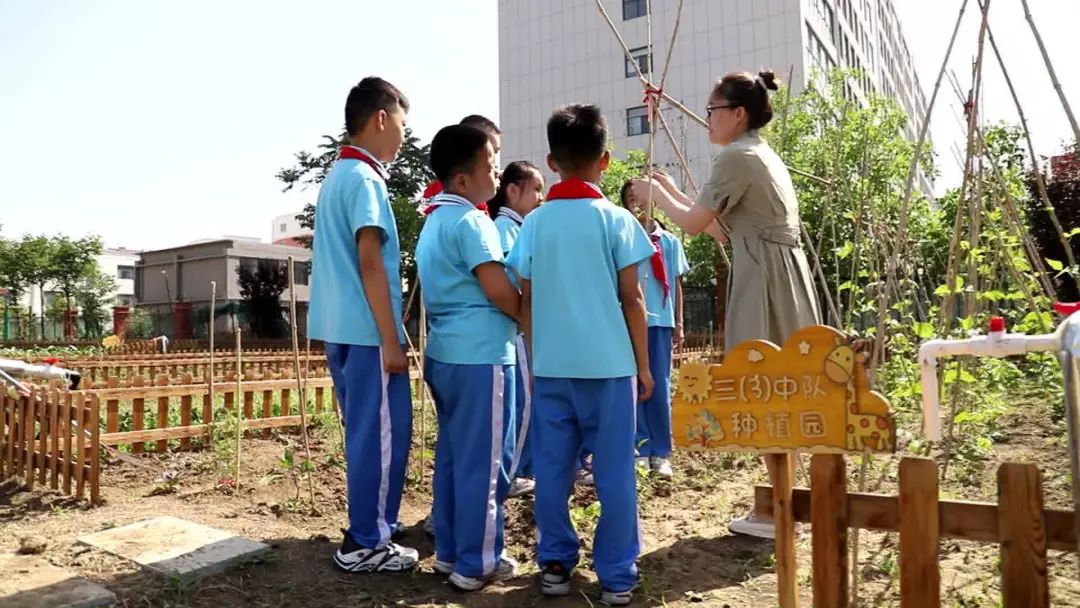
689 558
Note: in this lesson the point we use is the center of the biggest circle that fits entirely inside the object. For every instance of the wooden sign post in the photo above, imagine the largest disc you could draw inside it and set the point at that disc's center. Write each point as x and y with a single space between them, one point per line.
811 395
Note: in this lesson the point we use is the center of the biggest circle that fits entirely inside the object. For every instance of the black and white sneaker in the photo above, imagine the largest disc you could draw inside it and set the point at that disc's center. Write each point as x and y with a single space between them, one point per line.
351 557
616 598
554 579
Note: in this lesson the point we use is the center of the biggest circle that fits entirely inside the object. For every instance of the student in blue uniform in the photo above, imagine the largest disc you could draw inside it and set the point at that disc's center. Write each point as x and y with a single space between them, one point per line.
584 316
473 311
521 189
488 126
661 280
356 310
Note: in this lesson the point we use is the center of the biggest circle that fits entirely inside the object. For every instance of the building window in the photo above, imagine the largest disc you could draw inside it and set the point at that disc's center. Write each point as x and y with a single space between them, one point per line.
302 272
637 121
125 272
643 58
632 9
281 228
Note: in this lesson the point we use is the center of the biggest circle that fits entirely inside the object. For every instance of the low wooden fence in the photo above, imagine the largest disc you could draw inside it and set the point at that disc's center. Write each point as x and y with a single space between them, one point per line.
55 436
277 399
101 370
1018 523
52 437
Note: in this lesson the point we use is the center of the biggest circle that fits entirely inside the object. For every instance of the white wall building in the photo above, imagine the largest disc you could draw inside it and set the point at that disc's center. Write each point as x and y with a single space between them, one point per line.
119 264
561 51
286 228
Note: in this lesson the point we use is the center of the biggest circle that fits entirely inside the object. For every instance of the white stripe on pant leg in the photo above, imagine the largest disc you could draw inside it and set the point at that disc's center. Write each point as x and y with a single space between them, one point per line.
633 414
488 557
385 452
523 365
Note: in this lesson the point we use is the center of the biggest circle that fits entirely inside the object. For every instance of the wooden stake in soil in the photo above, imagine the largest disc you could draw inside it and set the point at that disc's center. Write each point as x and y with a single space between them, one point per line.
301 383
784 518
210 370
236 405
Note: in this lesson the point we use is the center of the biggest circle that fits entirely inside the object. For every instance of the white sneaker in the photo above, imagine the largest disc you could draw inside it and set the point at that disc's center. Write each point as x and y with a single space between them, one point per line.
662 467
391 558
748 525
584 477
617 598
505 570
429 525
444 568
642 462
521 485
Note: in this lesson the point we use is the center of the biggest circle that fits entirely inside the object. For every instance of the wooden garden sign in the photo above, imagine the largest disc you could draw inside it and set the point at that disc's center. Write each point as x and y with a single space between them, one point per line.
811 395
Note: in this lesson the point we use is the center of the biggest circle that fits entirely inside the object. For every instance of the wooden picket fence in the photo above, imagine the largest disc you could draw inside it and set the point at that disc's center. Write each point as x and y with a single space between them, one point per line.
52 437
1018 523
182 395
56 436
102 370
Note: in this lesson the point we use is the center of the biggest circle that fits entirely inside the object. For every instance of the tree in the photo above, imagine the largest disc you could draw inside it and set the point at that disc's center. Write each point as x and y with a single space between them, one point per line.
35 254
12 276
73 261
261 288
94 295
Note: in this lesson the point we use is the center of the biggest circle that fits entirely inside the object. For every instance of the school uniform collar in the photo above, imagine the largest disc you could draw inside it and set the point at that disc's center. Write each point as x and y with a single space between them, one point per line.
358 153
446 199
574 188
513 215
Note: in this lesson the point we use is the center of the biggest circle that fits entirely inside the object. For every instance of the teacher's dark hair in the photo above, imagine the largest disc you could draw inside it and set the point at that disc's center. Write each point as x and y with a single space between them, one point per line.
750 93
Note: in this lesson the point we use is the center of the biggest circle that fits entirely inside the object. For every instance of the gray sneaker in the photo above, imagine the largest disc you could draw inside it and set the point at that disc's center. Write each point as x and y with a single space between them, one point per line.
505 570
617 598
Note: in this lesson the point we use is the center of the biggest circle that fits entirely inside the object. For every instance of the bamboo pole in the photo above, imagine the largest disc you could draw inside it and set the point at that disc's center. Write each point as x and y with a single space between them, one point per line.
905 206
1040 183
1050 70
210 373
237 410
301 383
972 118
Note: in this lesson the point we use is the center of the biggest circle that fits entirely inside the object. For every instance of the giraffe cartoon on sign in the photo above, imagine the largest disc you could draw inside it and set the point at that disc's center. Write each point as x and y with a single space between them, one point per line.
864 430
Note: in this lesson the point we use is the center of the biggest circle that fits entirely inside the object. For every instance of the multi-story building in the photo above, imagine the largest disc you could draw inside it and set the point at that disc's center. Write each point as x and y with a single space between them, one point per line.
168 281
562 51
286 230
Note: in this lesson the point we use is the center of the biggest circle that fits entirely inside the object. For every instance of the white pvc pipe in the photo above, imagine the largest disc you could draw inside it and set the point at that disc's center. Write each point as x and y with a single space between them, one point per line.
994 344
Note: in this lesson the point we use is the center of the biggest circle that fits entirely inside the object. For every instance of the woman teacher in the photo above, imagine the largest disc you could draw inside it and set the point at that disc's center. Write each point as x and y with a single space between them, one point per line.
770 293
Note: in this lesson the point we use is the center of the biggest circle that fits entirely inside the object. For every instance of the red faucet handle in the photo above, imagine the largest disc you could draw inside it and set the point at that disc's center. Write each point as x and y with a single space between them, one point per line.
50 361
997 324
1066 308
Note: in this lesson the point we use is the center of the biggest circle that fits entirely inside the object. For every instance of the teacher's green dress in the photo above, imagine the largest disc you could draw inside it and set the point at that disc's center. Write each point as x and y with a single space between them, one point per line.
770 293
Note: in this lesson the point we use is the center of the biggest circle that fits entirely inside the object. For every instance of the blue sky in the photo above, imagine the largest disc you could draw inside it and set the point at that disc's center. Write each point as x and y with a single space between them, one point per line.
153 123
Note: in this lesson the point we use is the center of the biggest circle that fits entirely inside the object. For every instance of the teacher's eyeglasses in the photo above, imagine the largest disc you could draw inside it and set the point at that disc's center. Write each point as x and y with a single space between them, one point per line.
709 109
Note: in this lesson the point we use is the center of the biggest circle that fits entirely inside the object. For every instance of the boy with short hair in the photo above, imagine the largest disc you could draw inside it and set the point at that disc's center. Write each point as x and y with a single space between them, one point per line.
473 310
584 315
486 125
356 310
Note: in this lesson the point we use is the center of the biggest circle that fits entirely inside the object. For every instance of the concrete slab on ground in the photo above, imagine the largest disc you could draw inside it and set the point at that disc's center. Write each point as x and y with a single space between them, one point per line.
176 547
29 581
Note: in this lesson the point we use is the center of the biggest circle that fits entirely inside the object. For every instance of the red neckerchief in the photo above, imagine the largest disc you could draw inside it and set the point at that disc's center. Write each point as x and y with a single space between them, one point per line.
657 263
445 199
574 188
432 189
354 153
